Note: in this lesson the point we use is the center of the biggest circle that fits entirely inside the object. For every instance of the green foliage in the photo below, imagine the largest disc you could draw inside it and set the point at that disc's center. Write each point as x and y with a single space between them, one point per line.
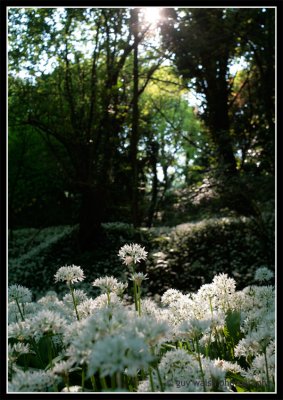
193 253
28 251
190 254
232 331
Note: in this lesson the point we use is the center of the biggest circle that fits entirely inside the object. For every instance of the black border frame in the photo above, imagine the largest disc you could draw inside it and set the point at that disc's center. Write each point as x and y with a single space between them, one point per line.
4 4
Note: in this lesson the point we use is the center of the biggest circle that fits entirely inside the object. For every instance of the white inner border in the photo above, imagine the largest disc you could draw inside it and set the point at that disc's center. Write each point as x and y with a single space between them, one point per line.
275 38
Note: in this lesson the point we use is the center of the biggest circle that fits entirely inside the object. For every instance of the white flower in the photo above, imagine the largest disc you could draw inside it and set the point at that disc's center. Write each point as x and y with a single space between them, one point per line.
148 328
62 368
48 297
176 367
194 328
150 308
132 253
46 321
110 284
214 376
72 389
19 293
31 381
171 296
83 334
20 348
256 341
117 353
15 350
263 274
138 277
79 295
101 301
229 366
20 330
221 283
257 372
69 274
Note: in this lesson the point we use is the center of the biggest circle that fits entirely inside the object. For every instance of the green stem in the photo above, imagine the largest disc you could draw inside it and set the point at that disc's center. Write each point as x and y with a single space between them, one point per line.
74 300
200 365
119 380
135 296
67 383
151 380
139 299
22 316
108 298
113 382
159 379
92 378
83 379
103 383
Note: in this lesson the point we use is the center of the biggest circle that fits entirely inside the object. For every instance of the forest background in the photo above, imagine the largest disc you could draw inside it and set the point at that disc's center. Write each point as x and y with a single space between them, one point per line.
154 126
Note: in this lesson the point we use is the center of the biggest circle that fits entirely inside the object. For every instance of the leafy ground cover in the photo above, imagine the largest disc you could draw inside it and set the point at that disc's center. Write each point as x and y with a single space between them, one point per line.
185 256
218 339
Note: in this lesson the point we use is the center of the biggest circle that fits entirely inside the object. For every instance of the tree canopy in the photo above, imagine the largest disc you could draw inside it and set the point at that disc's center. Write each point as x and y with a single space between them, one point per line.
113 117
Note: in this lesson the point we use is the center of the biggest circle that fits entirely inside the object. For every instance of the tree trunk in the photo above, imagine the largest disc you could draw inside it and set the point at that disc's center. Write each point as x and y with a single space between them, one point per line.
135 122
91 215
218 122
154 190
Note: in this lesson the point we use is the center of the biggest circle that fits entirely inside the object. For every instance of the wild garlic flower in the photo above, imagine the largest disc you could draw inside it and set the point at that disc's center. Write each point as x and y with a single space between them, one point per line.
179 371
228 366
138 277
148 328
69 274
117 353
46 321
132 253
62 368
263 274
194 328
257 371
110 284
222 284
255 342
20 330
72 389
82 336
20 348
214 376
15 350
150 308
31 381
171 296
79 295
13 312
19 293
101 301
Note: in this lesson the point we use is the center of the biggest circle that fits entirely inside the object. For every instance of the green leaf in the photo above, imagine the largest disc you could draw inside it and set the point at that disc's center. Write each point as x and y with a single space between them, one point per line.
232 326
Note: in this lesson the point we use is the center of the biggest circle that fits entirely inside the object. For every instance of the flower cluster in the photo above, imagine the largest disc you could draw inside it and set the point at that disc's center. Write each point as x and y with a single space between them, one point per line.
69 274
132 254
110 284
263 274
191 342
19 293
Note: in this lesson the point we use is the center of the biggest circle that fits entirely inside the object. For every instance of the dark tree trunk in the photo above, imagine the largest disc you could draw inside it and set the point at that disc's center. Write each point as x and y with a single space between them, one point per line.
218 122
154 190
135 122
91 215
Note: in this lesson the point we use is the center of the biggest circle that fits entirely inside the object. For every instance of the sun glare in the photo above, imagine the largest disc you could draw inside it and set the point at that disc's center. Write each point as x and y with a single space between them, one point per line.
151 15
